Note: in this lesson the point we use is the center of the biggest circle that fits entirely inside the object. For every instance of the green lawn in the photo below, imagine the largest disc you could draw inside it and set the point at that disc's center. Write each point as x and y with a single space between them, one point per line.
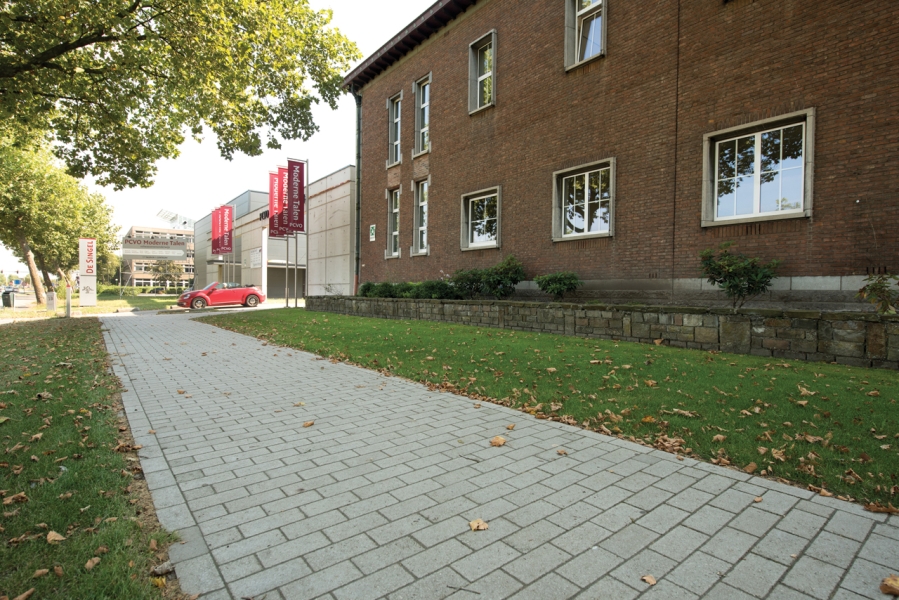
828 426
59 471
105 304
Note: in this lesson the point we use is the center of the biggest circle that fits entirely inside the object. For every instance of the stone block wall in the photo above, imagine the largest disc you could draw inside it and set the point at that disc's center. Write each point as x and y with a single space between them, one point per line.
859 339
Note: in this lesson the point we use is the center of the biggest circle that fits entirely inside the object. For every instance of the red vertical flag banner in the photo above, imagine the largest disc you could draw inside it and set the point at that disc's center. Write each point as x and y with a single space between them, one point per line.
227 244
296 196
217 230
275 206
284 187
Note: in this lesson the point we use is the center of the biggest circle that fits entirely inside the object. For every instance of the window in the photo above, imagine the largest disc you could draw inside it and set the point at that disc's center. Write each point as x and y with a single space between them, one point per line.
394 114
481 219
420 242
423 115
393 224
583 201
482 71
759 172
585 31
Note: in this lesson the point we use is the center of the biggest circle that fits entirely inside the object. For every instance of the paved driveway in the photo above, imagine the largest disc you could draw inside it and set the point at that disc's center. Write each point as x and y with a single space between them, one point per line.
374 499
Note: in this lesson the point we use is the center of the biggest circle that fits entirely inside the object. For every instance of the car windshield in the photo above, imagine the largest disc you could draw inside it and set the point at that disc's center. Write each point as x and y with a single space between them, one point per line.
210 287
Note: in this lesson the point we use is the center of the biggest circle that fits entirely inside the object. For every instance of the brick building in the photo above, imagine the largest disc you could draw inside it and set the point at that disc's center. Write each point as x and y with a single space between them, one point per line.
619 139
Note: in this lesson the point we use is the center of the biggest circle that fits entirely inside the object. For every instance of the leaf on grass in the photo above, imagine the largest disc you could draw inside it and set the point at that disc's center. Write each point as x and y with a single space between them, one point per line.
308 423
57 570
648 579
805 391
648 419
595 362
551 370
20 497
885 447
778 454
40 573
658 342
44 395
880 508
750 468
873 393
92 563
102 550
650 383
802 402
890 585
4 419
24 596
562 452
36 437
54 538
478 525
719 438
498 441
152 545
510 427
158 582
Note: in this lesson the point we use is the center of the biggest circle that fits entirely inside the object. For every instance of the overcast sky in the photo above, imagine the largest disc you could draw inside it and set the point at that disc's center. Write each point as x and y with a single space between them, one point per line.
200 179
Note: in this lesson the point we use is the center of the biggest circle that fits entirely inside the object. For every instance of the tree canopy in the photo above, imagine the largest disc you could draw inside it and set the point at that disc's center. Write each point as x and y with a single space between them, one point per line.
167 272
117 83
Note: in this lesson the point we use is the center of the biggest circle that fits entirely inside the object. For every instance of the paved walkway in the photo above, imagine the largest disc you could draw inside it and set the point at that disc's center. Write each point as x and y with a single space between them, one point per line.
375 498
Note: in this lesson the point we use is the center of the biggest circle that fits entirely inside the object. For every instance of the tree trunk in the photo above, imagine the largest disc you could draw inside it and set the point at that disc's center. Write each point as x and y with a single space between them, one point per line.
64 277
32 269
39 259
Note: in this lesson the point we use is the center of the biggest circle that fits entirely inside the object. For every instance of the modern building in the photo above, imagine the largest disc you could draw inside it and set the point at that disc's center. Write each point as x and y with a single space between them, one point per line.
620 139
136 272
332 234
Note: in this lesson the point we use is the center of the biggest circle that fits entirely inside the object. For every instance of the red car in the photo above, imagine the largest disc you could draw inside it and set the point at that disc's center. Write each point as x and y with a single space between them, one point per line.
221 294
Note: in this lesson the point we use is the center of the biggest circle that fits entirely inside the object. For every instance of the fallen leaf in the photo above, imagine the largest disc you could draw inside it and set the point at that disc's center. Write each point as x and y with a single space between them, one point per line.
890 585
561 452
750 468
159 582
498 441
802 402
551 370
477 406
757 499
182 391
36 437
510 427
4 419
478 525
164 568
595 362
805 391
658 342
40 573
102 550
650 382
54 538
57 571
879 508
648 419
299 404
152 431
152 545
111 520
873 393
719 438
308 423
648 579
20 497
24 596
92 563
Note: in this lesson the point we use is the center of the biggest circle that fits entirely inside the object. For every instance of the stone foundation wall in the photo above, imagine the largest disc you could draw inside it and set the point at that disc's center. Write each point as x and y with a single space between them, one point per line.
860 339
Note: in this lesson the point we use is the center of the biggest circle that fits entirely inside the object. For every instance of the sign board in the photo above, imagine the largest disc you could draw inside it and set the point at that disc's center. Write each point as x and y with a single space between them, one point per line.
256 258
295 202
87 271
371 233
17 282
227 243
275 207
134 248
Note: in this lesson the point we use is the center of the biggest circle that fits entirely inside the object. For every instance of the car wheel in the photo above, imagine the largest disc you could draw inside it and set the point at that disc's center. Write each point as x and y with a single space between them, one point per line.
252 301
198 303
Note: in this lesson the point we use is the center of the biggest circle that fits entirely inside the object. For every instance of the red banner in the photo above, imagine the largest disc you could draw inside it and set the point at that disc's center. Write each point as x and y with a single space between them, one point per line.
217 231
282 183
227 244
275 206
296 196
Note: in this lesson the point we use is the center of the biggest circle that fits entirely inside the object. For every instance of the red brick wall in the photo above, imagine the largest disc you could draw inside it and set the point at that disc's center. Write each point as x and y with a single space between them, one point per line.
647 104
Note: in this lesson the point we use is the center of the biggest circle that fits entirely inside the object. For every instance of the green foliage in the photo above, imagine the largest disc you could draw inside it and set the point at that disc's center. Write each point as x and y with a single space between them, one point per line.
435 290
469 282
117 84
558 284
500 280
365 289
878 291
384 289
166 272
739 277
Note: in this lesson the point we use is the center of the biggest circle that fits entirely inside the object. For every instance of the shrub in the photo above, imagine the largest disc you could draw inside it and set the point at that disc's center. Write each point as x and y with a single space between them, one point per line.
877 290
365 289
404 290
435 290
739 277
558 284
384 289
500 280
469 283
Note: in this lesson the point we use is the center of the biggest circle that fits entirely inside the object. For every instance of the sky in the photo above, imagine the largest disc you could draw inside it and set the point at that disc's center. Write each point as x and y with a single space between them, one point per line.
179 189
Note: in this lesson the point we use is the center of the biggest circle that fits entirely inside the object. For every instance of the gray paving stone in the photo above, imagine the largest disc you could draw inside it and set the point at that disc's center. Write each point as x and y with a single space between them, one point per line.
536 563
662 518
427 561
629 540
550 586
881 550
618 517
269 579
665 590
388 554
849 525
582 537
835 549
698 573
321 582
608 588
483 561
679 543
647 562
754 521
723 591
495 585
814 577
199 575
441 584
708 519
729 544
861 578
780 546
533 536
274 555
335 553
755 575
782 592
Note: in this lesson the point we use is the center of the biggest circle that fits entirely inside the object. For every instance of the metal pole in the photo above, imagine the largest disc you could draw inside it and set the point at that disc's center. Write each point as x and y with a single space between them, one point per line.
296 254
306 231
286 271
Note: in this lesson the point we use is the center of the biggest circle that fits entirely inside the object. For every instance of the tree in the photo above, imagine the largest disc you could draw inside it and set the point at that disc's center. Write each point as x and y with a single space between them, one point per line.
43 212
167 272
117 83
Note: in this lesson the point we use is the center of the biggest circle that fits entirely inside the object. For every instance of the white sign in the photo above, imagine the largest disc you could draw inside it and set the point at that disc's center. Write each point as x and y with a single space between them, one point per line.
87 271
160 248
371 233
256 258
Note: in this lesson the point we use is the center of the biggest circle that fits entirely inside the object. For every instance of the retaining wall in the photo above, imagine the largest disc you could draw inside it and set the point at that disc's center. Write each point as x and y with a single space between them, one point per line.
860 339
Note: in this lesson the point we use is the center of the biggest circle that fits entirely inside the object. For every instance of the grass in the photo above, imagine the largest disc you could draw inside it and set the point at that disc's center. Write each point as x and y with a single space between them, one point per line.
828 426
59 427
105 304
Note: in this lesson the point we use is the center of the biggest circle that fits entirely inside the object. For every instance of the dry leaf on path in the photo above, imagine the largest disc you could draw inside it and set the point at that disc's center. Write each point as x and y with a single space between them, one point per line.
478 525
890 585
498 441
54 538
308 423
562 452
92 563
648 579
477 406
757 499
24 596
40 573
182 391
510 427
299 404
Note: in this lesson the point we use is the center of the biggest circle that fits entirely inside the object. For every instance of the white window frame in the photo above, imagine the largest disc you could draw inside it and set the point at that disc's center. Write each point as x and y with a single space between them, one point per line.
474 80
420 128
467 200
394 130
393 249
558 214
710 168
574 18
417 226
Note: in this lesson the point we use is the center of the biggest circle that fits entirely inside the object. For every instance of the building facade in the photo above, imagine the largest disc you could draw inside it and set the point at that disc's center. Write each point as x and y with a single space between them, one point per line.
137 273
620 139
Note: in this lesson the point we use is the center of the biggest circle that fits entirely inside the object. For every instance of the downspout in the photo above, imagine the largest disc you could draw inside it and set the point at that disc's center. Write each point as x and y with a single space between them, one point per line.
358 99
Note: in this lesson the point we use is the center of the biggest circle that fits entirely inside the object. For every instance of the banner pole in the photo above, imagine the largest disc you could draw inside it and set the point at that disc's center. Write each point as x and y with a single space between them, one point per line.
296 253
286 271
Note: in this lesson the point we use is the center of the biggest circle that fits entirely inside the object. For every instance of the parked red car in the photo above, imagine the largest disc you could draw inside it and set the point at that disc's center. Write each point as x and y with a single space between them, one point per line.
221 294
